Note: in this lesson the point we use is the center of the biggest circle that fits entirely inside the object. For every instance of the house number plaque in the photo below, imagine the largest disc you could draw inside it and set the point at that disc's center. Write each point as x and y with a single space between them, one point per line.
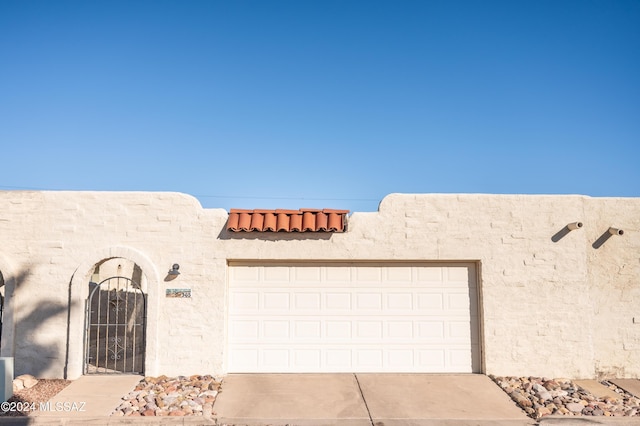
179 293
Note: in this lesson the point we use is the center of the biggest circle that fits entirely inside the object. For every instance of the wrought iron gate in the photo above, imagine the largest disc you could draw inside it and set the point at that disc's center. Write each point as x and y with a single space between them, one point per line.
115 327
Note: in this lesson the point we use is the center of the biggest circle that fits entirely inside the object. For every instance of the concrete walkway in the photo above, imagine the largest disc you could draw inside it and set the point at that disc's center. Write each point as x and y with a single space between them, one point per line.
291 399
365 400
398 397
90 396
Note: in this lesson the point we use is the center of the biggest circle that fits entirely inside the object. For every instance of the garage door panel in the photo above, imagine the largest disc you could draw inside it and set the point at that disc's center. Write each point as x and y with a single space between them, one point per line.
399 274
400 330
245 274
338 359
458 273
244 330
307 359
432 359
368 331
428 302
276 301
352 319
338 301
307 330
459 301
432 275
276 274
459 332
431 331
305 301
337 274
245 301
460 359
243 359
276 330
307 274
368 275
275 358
370 358
338 330
399 358
399 301
369 301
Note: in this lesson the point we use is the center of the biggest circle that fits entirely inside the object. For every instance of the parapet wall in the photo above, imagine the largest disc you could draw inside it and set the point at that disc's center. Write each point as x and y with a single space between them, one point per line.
553 302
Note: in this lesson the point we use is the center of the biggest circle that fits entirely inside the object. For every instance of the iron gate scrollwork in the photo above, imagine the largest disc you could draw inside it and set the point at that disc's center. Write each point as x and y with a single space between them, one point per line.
115 327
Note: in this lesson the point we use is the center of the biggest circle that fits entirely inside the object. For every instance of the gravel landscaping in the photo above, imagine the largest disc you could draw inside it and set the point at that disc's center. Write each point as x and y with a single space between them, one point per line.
171 396
540 396
42 391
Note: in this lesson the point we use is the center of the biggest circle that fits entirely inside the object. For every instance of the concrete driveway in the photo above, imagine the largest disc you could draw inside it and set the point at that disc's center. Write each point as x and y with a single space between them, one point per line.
365 400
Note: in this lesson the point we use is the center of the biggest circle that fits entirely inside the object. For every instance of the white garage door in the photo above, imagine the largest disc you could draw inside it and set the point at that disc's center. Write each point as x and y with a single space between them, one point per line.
353 318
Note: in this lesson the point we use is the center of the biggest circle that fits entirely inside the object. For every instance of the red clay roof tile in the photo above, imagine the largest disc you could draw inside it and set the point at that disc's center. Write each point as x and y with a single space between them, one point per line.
303 220
295 222
283 222
270 222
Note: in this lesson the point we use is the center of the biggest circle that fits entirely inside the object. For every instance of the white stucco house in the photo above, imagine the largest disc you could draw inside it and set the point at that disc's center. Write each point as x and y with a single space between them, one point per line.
469 283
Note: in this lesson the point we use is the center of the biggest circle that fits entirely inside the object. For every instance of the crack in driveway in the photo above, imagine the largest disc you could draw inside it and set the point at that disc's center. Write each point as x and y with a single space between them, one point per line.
363 399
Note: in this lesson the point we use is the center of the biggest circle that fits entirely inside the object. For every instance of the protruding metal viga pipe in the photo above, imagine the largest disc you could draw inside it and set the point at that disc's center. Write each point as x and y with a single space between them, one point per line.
574 225
615 231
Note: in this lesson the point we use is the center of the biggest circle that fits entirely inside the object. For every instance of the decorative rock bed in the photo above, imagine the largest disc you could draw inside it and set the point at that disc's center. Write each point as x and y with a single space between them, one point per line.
171 396
540 396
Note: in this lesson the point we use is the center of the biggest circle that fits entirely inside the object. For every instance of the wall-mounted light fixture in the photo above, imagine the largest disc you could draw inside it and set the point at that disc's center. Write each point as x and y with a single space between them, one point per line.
173 273
615 231
174 270
574 225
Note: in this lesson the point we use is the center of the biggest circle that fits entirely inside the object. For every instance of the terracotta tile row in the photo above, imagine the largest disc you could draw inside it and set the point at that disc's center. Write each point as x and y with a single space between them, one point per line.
280 220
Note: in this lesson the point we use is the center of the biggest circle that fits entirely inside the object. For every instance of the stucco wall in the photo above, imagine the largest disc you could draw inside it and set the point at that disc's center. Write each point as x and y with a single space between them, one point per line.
552 308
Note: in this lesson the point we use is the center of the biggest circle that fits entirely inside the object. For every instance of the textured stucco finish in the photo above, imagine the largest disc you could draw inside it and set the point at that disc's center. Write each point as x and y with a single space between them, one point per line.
550 308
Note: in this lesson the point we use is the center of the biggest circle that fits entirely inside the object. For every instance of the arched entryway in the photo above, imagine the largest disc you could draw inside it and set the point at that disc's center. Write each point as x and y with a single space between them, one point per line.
98 266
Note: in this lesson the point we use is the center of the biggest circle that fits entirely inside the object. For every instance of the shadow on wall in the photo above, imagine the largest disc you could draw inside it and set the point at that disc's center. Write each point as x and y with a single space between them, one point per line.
37 324
2 292
34 352
274 236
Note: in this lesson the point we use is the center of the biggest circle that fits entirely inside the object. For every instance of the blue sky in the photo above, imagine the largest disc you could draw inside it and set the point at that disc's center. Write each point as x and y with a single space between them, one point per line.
266 104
